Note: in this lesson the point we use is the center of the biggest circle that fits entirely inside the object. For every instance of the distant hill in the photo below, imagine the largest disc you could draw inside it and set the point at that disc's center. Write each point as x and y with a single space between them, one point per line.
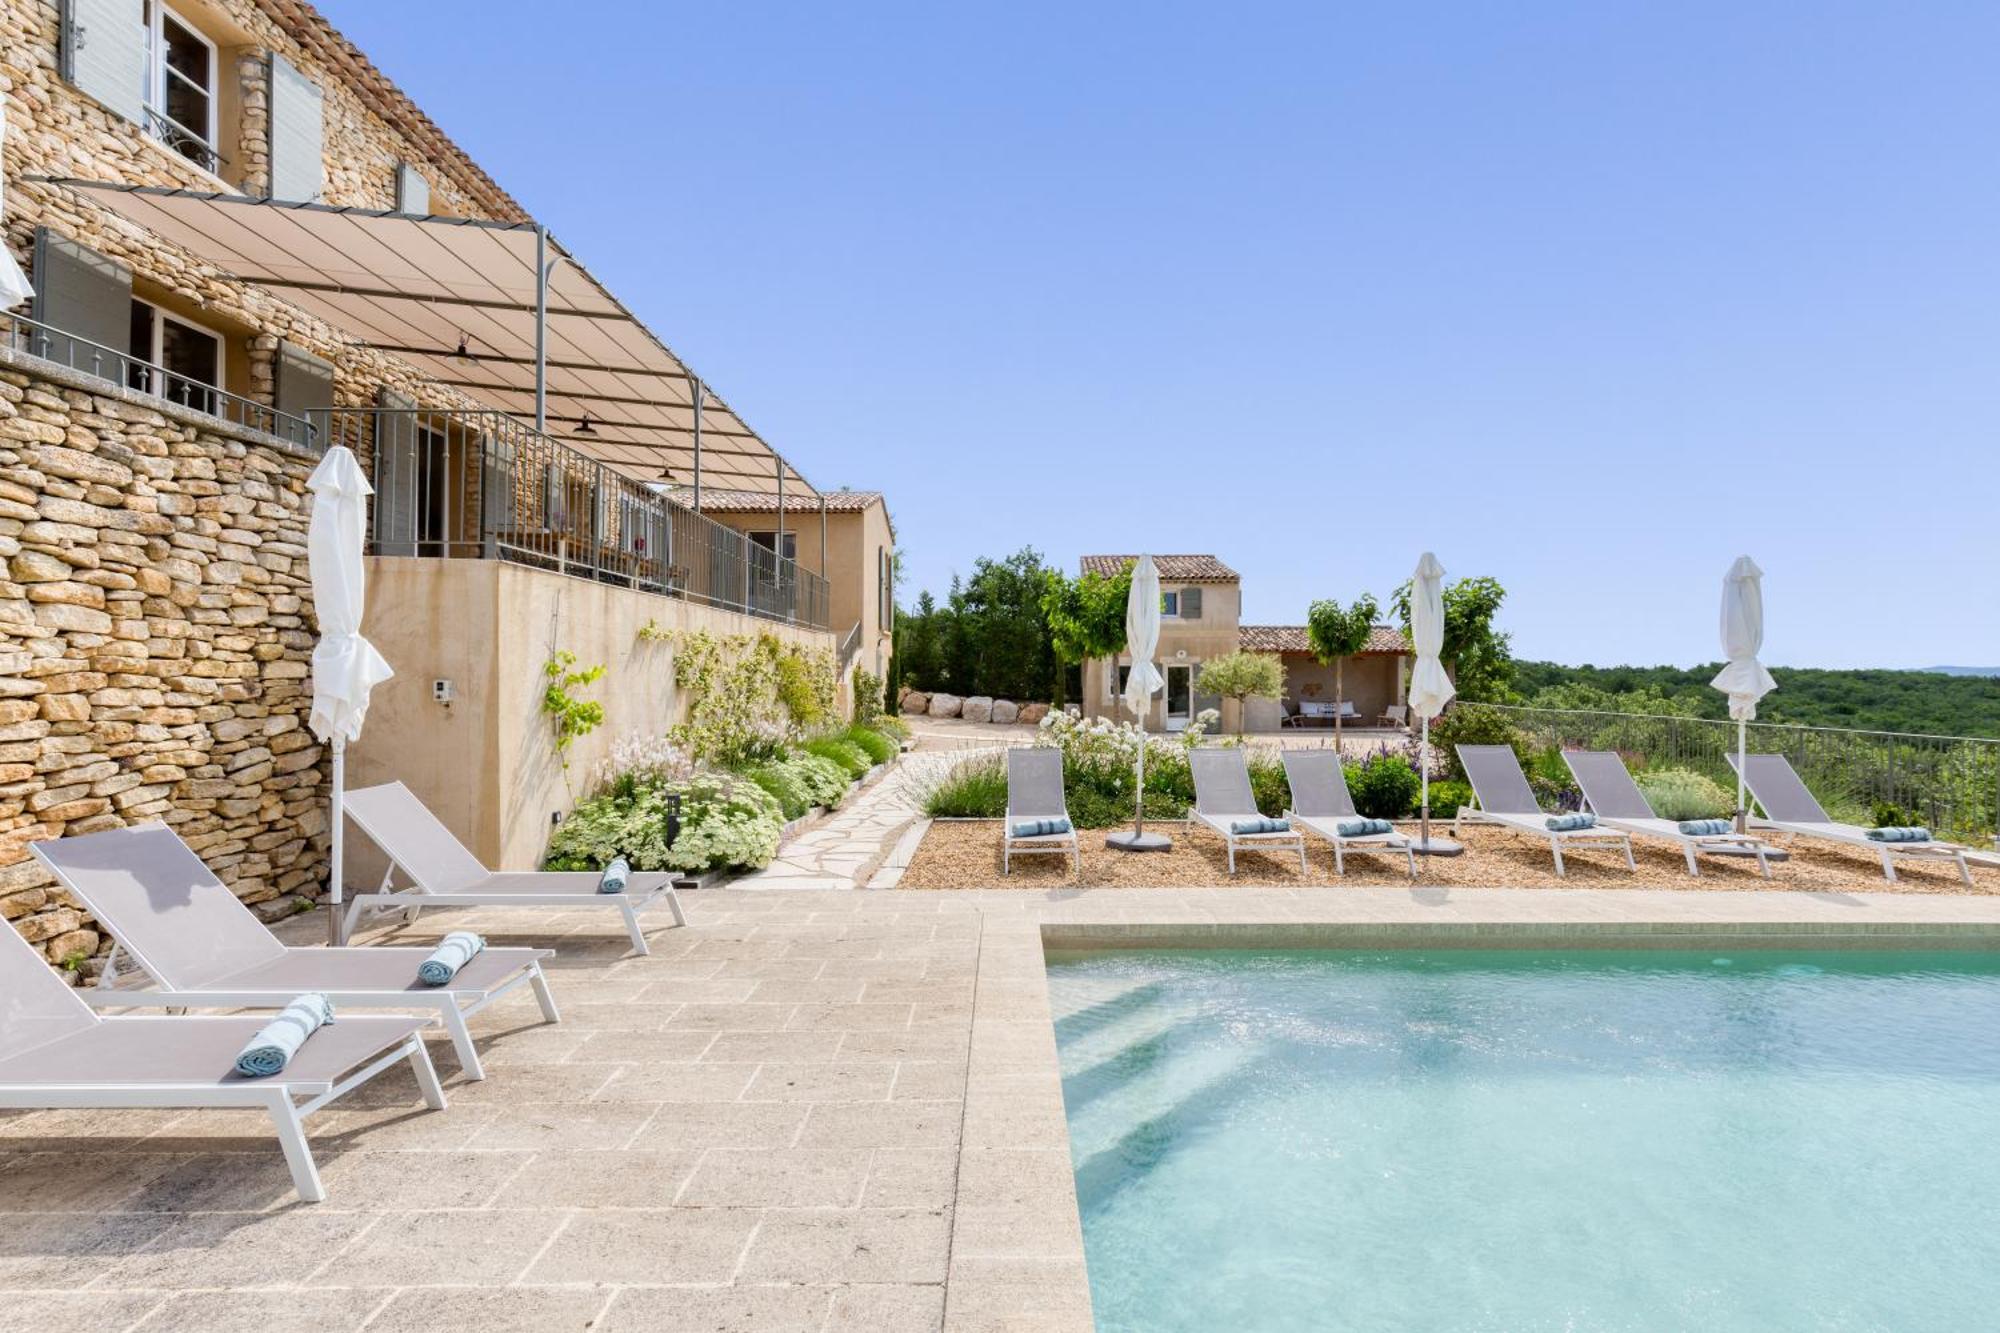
1945 702
1964 671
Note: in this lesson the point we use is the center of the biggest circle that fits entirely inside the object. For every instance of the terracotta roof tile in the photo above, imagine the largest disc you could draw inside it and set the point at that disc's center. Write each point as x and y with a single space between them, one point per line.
1292 639
1175 568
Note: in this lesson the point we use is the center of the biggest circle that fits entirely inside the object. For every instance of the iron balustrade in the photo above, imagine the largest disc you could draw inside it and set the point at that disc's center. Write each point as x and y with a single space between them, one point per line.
455 484
1949 783
121 368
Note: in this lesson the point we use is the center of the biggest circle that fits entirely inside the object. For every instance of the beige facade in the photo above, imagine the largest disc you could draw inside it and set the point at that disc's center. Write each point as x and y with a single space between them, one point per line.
1186 641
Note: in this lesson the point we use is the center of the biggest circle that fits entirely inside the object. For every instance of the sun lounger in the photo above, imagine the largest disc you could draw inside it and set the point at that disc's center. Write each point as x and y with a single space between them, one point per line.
1503 797
1790 808
445 874
1222 799
203 948
1321 803
1035 795
1611 795
56 1053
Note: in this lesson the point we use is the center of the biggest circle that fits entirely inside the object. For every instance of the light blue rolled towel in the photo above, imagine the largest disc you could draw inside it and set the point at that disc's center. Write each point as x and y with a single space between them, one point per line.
616 876
1703 828
1893 833
279 1040
1249 826
1363 828
1040 828
452 953
1571 823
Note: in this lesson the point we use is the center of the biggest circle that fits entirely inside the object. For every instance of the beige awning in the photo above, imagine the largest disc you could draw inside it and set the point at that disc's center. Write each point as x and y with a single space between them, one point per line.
421 288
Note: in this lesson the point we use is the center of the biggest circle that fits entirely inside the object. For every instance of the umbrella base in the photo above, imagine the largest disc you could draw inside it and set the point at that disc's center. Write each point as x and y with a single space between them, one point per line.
1128 841
1436 847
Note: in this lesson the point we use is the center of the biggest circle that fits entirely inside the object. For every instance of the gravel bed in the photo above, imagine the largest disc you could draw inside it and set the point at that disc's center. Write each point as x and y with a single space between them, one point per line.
965 854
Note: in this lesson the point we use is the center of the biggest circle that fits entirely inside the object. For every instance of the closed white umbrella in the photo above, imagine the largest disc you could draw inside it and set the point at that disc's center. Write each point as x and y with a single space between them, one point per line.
14 287
1743 678
1142 640
1430 688
345 666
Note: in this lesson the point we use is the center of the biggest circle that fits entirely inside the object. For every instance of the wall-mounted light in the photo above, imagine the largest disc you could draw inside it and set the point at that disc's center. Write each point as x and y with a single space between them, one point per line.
584 427
464 352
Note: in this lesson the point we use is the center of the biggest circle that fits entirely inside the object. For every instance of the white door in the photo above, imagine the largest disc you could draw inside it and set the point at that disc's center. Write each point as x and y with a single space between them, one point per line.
1180 697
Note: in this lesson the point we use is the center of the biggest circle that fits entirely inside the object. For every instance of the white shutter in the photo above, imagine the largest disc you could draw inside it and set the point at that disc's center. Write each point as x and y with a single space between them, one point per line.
395 474
413 192
104 52
298 135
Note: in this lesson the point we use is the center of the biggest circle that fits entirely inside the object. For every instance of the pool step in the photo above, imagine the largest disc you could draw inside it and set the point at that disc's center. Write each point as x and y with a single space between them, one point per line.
1077 1009
1122 1126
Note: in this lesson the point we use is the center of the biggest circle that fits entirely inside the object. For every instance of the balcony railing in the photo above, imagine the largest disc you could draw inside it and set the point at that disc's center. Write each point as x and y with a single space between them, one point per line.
22 334
481 485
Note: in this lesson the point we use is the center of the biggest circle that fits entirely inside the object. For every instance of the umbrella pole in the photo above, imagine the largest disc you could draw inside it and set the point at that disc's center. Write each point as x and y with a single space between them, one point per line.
1742 758
1139 797
1424 771
339 783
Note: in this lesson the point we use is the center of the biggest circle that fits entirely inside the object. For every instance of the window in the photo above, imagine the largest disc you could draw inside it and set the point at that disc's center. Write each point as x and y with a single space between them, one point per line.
173 358
1170 605
769 541
180 86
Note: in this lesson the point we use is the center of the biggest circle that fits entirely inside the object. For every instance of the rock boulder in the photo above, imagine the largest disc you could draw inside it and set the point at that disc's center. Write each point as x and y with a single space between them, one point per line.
945 705
1005 712
1032 714
978 708
914 703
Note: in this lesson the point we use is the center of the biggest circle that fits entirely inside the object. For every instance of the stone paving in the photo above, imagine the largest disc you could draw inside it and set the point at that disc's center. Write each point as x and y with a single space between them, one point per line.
804 1111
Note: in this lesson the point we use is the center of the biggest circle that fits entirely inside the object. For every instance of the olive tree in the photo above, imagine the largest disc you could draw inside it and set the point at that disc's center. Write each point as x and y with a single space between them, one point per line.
1336 633
1242 675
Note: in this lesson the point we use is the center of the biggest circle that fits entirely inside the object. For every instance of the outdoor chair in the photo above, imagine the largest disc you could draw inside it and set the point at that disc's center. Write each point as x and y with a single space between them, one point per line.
203 948
445 874
1321 803
1611 795
1503 797
57 1053
1789 807
1035 793
1395 715
1222 799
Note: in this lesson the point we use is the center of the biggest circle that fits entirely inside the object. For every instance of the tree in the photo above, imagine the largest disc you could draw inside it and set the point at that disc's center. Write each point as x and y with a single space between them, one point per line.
1085 615
918 643
1336 634
1241 676
999 644
1478 655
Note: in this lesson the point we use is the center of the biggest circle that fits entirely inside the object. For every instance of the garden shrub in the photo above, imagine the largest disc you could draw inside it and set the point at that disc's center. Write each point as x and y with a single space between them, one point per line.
842 752
867 688
1447 797
1680 793
1268 784
783 786
893 727
878 747
1887 814
975 788
824 782
1384 787
1473 724
726 823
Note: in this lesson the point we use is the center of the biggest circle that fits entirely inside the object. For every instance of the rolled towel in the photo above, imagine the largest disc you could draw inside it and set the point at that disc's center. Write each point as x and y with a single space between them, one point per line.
454 952
616 876
1363 828
1260 825
1705 828
1571 823
1040 828
279 1040
1893 833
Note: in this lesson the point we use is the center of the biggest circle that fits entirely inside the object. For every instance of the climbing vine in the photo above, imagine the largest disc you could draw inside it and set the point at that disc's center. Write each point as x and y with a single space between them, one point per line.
748 694
571 715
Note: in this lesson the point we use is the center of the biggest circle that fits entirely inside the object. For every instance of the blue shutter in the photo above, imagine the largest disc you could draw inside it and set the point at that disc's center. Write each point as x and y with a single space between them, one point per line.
298 135
104 52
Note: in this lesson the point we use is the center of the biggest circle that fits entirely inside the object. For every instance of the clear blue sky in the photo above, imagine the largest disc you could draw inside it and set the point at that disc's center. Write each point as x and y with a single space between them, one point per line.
1585 296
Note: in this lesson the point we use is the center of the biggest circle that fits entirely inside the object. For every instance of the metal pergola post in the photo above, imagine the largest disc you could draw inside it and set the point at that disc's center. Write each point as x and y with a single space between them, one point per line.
542 267
696 382
778 548
822 535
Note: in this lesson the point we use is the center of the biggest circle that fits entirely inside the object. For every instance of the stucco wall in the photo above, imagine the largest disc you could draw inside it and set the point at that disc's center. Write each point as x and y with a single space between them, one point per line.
1371 682
1182 643
486 763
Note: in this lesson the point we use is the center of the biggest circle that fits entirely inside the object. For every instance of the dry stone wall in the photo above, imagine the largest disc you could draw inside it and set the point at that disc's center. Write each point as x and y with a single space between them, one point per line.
155 645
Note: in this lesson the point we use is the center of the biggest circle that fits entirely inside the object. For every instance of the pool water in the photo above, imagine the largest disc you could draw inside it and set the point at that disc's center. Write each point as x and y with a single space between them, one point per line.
1535 1140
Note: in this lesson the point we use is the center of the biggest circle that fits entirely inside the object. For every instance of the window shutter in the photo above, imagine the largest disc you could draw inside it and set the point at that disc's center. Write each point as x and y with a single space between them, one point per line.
1190 603
497 502
413 192
304 385
82 292
298 149
395 475
104 52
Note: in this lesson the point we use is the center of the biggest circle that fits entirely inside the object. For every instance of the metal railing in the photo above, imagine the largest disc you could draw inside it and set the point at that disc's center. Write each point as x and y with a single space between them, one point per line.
22 334
481 485
184 141
1950 783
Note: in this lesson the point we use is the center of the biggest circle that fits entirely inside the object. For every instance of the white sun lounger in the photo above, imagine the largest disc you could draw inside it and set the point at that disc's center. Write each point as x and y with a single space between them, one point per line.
56 1053
1790 808
204 949
445 874
1035 791
1321 803
1503 797
1222 797
1618 803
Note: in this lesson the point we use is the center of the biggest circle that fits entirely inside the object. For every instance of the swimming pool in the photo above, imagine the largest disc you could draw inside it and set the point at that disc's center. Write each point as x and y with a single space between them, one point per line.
1534 1140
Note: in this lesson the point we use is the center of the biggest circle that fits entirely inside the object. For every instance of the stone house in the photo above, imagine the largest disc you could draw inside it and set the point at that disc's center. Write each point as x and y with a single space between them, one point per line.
181 181
1201 618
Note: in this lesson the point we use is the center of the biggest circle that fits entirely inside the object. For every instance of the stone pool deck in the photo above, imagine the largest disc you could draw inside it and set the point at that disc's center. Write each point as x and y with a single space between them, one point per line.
806 1110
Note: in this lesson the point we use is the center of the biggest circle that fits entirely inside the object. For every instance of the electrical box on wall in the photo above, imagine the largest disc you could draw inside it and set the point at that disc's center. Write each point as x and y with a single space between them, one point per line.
442 691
